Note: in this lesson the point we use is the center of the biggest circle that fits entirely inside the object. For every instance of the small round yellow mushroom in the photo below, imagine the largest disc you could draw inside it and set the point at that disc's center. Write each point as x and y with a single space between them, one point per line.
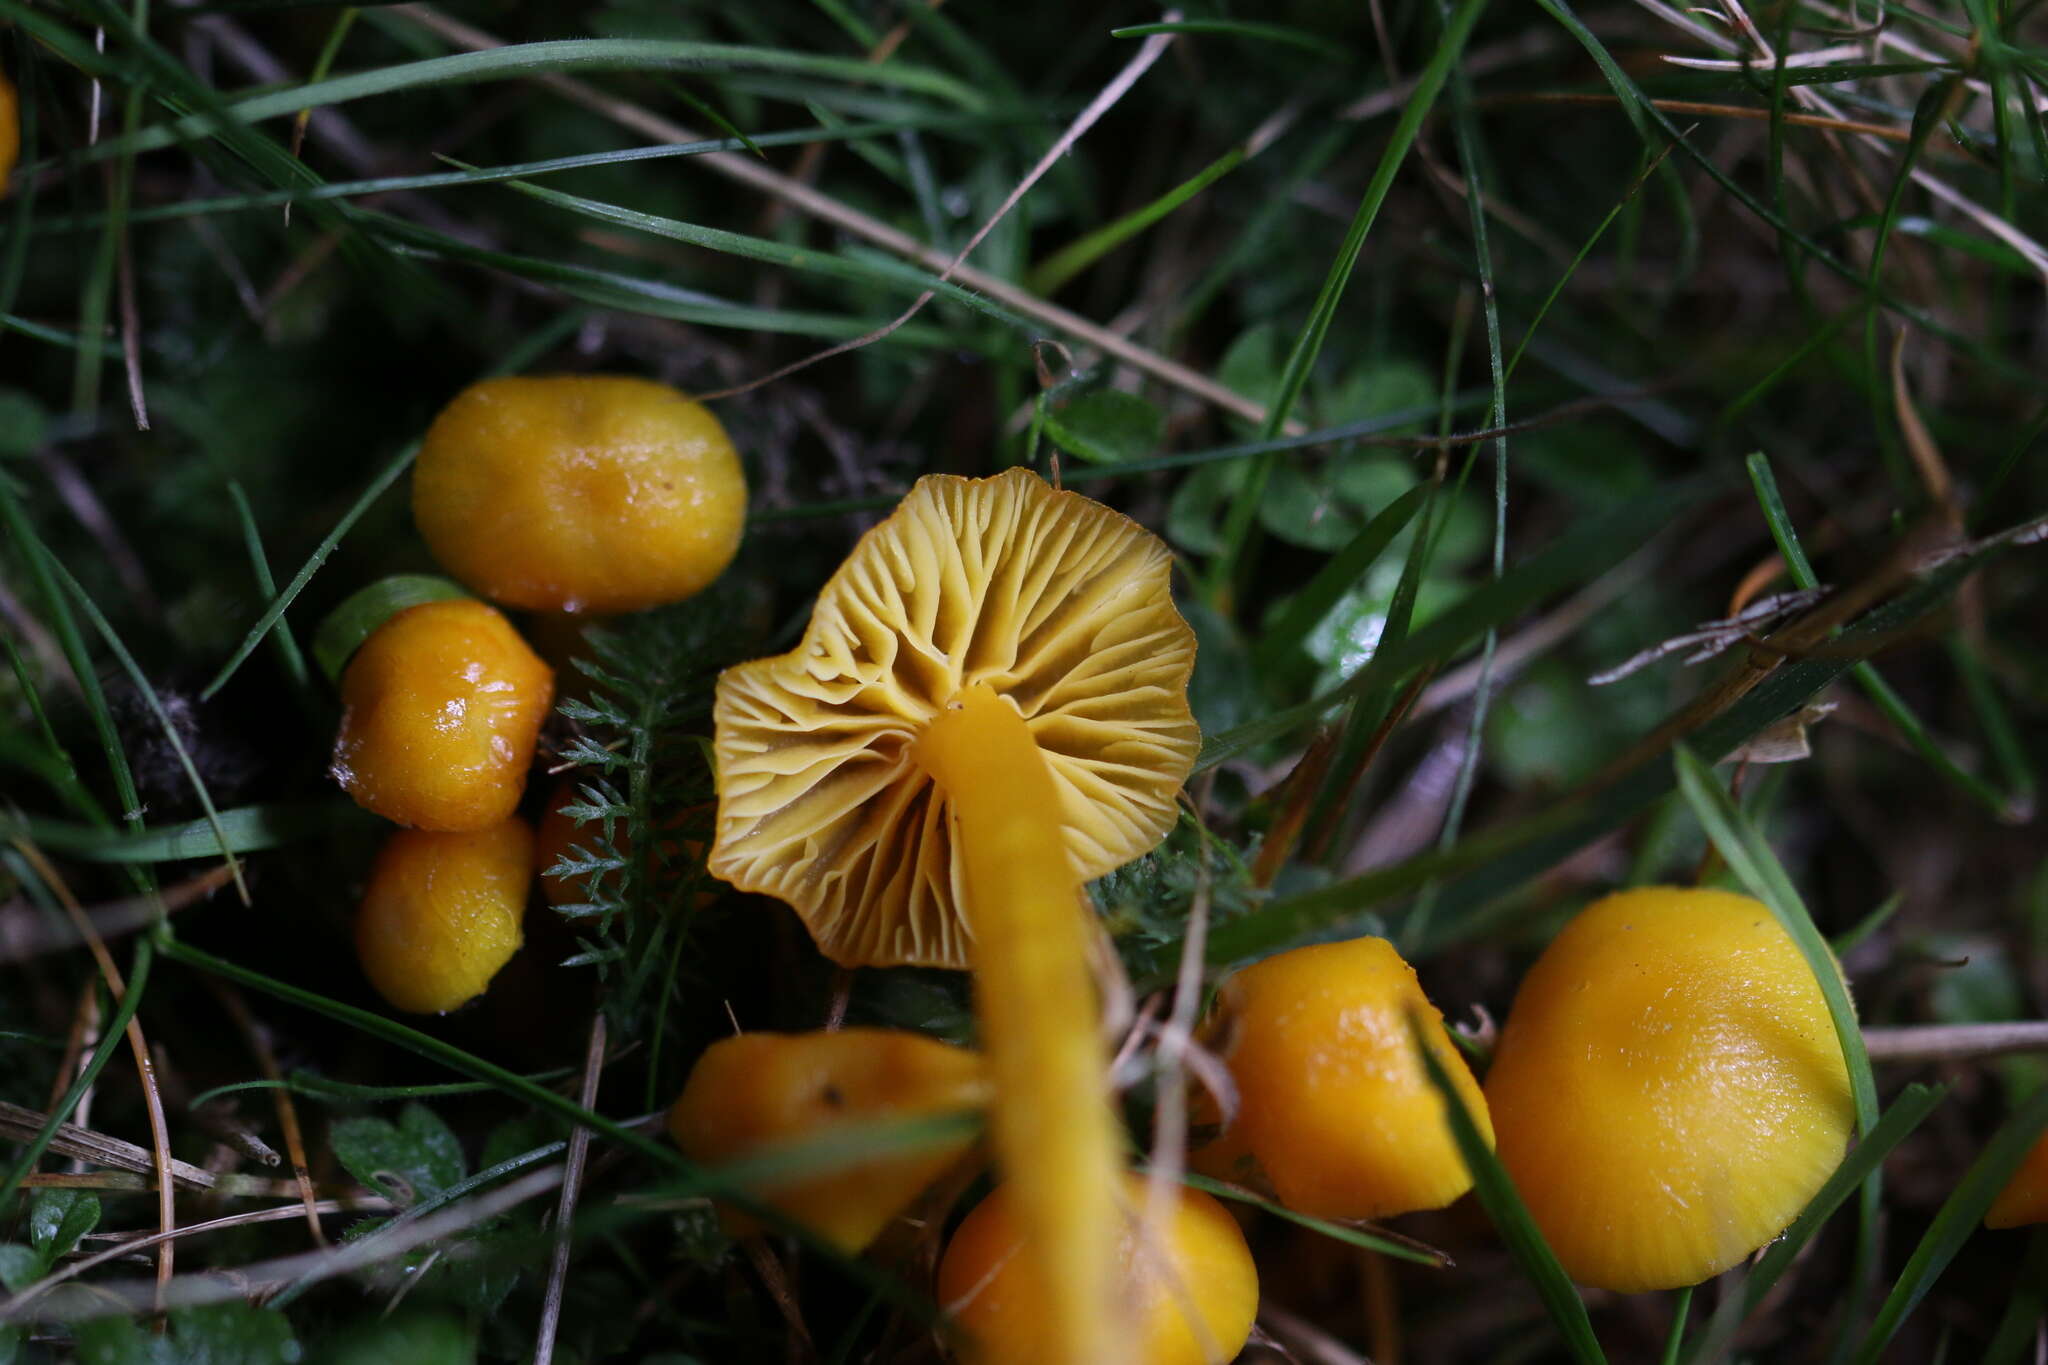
579 493
1191 1297
442 913
2024 1199
748 1095
441 709
1668 1091
1335 1108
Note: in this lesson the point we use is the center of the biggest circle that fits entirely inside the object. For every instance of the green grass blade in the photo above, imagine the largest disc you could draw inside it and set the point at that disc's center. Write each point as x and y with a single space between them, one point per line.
1957 1221
1743 847
1235 28
288 654
520 60
361 612
242 829
1336 1232
1497 1195
1338 576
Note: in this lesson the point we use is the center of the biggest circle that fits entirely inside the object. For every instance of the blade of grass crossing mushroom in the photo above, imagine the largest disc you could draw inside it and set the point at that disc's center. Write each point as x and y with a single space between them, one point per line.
1338 1232
1056 1139
1748 855
1907 1113
1957 1221
1496 1194
1301 358
529 349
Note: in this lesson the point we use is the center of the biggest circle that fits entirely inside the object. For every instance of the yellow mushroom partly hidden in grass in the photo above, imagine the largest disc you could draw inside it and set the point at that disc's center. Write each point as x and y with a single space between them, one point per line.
10 131
749 1095
1669 1090
442 911
2024 1199
1192 1294
988 708
1335 1109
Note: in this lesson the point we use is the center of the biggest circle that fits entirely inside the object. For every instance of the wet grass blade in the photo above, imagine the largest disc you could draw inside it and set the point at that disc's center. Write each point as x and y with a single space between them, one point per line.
1497 1195
1957 1221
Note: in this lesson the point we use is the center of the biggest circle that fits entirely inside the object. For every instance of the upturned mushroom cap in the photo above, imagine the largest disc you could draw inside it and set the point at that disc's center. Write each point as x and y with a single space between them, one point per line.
1059 604
1669 1090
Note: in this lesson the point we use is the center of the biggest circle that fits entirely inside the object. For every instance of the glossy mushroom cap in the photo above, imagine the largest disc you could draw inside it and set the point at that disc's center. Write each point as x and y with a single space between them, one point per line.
442 913
2024 1199
1335 1110
1060 605
1669 1091
748 1094
1195 1309
579 493
441 709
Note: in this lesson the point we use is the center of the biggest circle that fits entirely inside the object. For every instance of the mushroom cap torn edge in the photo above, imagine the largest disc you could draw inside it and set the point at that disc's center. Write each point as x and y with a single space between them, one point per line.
1060 604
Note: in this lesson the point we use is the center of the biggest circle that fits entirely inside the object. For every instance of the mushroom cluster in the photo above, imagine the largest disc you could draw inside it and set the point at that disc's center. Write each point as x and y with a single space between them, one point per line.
567 494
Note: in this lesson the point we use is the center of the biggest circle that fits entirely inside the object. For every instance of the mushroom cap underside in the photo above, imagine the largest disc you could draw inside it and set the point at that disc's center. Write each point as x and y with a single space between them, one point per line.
1059 604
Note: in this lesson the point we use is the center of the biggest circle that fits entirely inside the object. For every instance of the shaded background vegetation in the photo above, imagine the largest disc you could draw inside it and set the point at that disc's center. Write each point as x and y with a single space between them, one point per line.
1836 262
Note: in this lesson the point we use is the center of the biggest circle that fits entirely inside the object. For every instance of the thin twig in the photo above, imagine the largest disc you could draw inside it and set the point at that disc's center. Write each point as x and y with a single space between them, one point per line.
1955 1042
565 1208
126 1244
120 1298
22 938
826 209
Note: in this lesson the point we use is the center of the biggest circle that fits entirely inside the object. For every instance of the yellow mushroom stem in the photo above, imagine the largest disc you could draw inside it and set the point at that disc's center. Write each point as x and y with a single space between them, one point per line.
1054 1134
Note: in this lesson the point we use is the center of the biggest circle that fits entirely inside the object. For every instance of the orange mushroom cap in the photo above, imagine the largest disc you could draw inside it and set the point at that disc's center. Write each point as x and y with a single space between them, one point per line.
2024 1199
579 492
441 709
441 913
1335 1108
1058 604
748 1094
1193 1297
1669 1090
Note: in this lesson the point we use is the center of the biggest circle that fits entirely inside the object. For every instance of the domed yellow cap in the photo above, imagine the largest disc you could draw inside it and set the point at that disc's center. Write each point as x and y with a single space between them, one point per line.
441 709
750 1093
1669 1091
579 493
1197 1308
2024 1199
1334 1106
442 913
1058 604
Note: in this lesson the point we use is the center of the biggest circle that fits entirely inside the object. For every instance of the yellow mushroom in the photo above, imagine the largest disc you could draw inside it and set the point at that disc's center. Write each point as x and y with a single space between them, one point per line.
1335 1109
749 1094
579 493
441 710
1669 1091
2024 1199
1192 1296
441 913
988 707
